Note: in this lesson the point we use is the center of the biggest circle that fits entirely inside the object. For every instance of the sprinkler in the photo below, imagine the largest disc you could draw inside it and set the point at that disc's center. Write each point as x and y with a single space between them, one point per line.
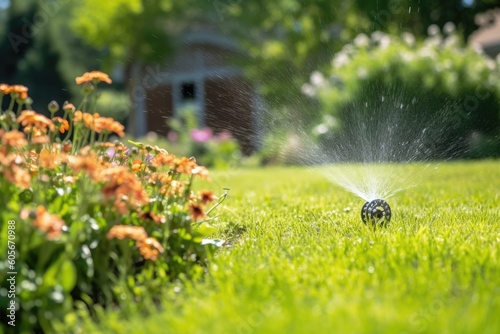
376 212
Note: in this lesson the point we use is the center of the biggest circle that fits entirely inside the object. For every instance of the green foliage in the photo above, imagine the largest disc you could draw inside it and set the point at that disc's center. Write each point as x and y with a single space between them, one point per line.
290 38
437 87
114 104
417 16
39 48
134 30
301 260
88 224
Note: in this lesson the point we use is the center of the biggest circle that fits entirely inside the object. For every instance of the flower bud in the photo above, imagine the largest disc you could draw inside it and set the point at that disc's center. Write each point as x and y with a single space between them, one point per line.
53 107
28 102
68 107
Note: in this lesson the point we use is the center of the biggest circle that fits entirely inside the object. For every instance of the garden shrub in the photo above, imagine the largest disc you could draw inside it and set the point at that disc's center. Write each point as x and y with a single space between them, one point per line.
218 150
86 222
438 88
114 104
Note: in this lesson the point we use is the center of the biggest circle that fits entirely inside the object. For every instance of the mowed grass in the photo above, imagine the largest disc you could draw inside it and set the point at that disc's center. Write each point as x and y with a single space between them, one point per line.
299 260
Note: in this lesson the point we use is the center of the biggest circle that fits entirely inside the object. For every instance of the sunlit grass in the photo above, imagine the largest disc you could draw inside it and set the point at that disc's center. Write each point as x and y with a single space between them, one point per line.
299 259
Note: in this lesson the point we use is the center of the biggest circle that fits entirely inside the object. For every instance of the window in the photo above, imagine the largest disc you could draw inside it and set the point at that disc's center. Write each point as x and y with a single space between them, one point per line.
187 91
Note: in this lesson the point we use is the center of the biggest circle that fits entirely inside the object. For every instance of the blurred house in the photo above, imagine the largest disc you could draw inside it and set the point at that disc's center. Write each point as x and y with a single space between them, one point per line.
200 77
488 36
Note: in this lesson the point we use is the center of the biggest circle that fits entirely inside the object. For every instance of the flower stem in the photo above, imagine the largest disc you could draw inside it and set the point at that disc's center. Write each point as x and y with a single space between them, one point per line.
11 105
219 202
19 107
82 104
95 100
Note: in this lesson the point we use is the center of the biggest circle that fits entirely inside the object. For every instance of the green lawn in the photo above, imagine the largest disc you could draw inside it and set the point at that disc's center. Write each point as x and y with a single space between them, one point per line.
299 260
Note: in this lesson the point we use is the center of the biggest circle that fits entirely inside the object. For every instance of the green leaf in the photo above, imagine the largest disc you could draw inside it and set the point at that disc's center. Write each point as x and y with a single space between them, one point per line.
62 272
26 196
206 229
140 145
50 276
68 275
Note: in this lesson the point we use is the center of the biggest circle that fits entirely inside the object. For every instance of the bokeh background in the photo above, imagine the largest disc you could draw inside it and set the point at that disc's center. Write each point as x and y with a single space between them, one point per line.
228 79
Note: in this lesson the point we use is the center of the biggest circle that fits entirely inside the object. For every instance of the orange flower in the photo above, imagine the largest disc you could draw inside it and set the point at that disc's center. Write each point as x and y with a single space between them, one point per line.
53 225
137 233
164 178
34 121
14 138
61 124
27 117
11 159
185 165
163 159
200 171
158 219
173 188
40 139
196 211
87 119
68 107
19 90
4 89
18 176
124 186
50 160
150 248
138 165
11 166
94 76
110 125
67 145
105 144
206 196
89 163
78 117
120 147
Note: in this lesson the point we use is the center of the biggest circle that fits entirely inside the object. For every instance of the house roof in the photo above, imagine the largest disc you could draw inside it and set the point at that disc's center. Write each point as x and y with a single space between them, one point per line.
210 38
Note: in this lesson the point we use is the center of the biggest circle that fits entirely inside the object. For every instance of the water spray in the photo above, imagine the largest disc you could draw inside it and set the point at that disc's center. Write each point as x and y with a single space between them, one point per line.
377 212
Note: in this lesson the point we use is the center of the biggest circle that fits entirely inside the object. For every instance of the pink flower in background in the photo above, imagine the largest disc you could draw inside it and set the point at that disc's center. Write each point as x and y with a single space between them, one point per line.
201 136
224 135
172 136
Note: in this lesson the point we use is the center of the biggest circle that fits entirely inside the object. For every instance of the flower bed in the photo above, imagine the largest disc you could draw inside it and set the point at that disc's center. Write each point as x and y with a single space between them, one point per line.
96 222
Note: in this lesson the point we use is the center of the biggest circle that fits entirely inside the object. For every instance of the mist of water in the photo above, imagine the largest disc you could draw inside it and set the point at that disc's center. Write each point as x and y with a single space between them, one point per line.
380 134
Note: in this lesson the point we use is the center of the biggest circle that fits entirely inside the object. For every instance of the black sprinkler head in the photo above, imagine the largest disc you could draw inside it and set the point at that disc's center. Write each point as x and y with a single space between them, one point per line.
376 212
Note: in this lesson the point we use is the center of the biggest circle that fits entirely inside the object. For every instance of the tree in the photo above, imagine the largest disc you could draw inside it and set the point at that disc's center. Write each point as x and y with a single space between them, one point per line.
295 37
39 52
416 16
135 33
